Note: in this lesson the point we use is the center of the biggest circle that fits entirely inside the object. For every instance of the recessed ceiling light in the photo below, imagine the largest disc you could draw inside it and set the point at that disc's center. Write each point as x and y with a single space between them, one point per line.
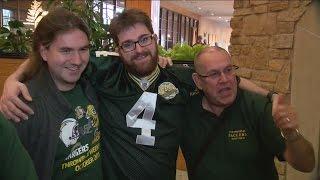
199 8
219 17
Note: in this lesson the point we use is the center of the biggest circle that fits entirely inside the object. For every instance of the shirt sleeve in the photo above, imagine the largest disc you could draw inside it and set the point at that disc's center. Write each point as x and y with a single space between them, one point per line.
99 68
184 74
16 163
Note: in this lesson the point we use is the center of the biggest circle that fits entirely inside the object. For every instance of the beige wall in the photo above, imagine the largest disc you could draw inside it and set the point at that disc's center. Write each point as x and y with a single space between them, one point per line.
305 90
221 31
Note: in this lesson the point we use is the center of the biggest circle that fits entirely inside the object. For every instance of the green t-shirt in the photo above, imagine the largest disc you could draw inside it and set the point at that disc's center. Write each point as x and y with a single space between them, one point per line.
16 163
78 154
141 130
245 140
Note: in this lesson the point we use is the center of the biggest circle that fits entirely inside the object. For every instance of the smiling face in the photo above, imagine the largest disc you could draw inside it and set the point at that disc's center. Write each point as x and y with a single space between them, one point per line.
141 61
219 90
67 57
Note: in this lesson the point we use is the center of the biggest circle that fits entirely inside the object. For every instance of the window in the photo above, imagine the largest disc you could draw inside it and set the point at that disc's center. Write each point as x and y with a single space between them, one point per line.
176 28
110 8
6 17
14 10
163 27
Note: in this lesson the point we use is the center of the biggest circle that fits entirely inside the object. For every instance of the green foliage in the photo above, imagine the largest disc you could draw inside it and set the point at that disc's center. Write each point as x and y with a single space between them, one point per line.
182 52
16 39
164 53
85 10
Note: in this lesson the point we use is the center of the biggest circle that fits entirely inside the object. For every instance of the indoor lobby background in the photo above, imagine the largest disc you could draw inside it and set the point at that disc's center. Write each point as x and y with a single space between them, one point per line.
276 43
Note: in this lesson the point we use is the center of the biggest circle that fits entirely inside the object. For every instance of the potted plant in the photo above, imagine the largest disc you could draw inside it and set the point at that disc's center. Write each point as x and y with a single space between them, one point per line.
15 41
181 53
100 38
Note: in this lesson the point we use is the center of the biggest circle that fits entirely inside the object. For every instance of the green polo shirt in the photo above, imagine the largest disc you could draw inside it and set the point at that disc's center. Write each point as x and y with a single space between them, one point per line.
16 163
245 142
128 155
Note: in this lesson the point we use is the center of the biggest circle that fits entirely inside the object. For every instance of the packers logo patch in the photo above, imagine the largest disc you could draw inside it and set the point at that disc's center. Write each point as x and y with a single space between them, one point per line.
167 90
236 135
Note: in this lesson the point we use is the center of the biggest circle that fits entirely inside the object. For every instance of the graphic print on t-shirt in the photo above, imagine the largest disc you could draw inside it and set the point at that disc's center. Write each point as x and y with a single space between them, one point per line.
80 136
69 133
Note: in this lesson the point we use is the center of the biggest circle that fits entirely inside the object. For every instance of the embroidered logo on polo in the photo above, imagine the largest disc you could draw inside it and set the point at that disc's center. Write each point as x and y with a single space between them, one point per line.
71 132
237 135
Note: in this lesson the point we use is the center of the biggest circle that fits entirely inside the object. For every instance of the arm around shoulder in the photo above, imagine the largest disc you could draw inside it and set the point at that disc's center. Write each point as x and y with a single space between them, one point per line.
252 87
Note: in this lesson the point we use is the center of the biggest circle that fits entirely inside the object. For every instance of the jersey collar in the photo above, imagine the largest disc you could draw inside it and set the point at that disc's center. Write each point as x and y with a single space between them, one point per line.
145 82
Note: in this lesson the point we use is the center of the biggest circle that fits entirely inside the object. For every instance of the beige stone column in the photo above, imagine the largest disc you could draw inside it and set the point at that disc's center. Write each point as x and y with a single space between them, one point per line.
305 90
263 45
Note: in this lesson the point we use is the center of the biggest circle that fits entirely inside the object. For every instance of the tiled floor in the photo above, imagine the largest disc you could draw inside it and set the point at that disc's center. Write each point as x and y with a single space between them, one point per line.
181 175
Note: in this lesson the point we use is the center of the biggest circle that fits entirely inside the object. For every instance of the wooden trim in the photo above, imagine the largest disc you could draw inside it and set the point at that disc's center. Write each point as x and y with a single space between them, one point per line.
144 5
172 7
181 163
7 66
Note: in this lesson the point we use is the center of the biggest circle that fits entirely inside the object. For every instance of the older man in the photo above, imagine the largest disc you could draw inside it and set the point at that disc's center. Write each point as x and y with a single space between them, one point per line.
230 133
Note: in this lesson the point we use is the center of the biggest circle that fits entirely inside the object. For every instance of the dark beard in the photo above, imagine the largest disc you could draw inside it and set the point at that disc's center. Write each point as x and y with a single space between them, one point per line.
154 61
145 53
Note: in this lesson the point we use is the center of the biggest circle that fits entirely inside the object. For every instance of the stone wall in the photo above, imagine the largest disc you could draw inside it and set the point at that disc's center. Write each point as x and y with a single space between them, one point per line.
262 40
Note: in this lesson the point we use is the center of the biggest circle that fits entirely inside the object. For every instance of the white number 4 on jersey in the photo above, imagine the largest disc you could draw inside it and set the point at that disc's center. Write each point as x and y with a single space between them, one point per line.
146 102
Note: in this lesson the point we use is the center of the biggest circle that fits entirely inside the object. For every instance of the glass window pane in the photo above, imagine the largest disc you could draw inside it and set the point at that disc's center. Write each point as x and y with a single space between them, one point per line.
110 8
175 28
182 29
169 31
187 30
6 17
163 28
120 4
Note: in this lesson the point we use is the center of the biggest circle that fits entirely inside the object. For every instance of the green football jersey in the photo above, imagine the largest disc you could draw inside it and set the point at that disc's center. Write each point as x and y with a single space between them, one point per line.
239 144
140 129
78 153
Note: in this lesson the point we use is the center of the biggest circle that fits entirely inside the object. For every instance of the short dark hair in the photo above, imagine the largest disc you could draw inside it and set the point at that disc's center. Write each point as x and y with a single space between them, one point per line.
57 21
126 19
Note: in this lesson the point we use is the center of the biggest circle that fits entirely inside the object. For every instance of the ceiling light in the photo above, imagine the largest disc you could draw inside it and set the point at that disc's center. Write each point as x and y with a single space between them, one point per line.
199 8
212 14
219 17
